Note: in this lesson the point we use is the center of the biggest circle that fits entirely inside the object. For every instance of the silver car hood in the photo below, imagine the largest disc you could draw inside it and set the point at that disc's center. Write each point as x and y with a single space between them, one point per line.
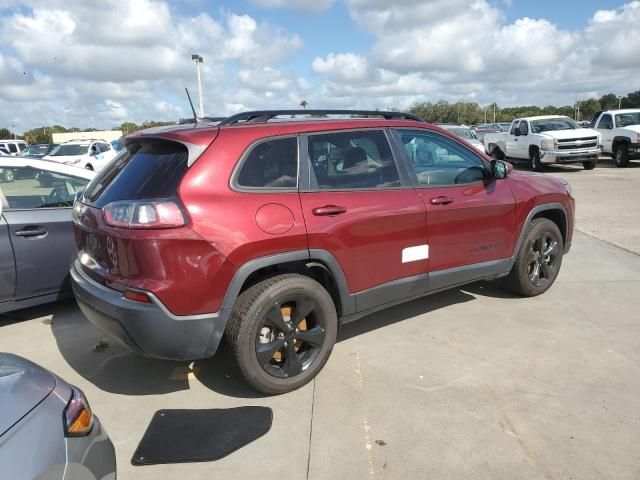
23 385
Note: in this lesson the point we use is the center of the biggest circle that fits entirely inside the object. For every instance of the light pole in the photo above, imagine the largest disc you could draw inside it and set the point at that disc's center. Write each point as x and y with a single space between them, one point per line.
619 101
198 59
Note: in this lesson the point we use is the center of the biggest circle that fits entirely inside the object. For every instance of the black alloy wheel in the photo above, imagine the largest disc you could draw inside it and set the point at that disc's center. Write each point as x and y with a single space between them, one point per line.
290 337
542 259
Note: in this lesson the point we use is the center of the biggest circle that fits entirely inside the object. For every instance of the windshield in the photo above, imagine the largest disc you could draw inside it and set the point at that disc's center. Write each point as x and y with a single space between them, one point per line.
34 150
461 132
556 123
626 119
70 150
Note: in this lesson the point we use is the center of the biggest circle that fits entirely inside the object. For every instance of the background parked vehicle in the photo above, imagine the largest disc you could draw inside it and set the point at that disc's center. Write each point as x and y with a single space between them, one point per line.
35 230
620 130
231 229
47 428
88 154
13 147
545 140
481 130
38 150
466 134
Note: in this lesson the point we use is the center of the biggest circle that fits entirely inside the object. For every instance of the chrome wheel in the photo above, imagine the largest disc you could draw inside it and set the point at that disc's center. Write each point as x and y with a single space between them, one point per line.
542 259
290 337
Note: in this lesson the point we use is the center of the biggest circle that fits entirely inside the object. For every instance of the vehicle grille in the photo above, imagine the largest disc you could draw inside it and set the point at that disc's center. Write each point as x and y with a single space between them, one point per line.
577 143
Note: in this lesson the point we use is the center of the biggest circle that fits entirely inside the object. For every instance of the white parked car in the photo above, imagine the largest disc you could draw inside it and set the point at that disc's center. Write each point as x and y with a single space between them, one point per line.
546 139
466 134
620 130
89 154
12 147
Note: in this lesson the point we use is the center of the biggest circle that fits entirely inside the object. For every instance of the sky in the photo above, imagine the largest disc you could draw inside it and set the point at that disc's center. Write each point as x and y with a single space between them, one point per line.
101 62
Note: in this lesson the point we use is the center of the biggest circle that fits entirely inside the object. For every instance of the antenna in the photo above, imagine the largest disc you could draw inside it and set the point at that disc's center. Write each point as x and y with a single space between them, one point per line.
195 117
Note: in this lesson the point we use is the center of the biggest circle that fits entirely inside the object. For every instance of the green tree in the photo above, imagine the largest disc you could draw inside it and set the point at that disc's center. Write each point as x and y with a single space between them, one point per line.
304 104
5 134
128 127
608 101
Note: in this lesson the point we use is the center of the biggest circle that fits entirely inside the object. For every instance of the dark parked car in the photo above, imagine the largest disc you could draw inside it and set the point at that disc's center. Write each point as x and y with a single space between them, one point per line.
272 233
47 429
36 237
38 150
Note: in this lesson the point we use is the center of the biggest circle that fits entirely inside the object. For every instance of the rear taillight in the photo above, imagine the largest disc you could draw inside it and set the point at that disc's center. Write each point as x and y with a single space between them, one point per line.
77 416
143 214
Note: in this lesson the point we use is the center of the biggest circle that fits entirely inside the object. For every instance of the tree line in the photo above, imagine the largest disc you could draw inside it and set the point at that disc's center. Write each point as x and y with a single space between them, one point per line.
470 113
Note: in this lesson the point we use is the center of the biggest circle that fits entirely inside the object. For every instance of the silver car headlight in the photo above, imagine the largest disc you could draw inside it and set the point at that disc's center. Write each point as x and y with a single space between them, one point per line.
547 144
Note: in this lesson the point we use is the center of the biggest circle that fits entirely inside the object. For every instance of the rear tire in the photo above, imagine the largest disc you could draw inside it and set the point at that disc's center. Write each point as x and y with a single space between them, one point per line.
274 349
621 154
534 157
538 260
589 164
497 154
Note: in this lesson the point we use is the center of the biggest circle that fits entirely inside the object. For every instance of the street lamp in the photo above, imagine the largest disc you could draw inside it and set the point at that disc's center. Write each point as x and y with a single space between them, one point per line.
198 59
619 101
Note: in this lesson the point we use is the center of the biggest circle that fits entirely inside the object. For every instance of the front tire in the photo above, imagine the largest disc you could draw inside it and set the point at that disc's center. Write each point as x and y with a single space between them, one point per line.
281 332
621 155
538 260
534 157
589 164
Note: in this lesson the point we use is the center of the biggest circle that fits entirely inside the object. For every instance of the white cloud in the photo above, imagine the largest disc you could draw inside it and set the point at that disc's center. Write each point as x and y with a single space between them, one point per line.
300 5
346 67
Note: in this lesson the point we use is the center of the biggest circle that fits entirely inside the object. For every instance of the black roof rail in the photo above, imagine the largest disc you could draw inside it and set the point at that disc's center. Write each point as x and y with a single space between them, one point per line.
263 116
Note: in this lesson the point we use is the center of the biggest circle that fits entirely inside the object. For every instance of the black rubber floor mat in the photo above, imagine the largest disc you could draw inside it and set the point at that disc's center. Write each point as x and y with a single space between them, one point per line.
178 436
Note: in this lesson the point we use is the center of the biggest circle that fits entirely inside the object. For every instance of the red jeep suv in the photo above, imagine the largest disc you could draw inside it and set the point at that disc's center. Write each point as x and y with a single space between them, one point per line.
272 228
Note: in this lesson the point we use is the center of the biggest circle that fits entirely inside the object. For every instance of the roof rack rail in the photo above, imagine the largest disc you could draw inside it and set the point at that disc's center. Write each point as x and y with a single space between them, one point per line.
184 121
263 116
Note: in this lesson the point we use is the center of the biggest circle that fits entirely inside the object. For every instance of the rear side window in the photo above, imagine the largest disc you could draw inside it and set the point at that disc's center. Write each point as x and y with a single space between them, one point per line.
352 160
148 170
271 164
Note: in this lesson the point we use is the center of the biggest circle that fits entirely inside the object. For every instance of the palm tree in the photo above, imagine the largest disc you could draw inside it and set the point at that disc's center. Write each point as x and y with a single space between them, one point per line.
304 104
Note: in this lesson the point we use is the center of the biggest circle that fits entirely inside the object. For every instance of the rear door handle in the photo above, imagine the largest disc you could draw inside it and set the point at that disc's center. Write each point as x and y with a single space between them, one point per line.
329 211
31 231
441 200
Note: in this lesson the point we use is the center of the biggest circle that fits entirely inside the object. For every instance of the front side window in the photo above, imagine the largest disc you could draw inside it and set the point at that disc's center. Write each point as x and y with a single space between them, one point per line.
13 148
271 164
26 188
514 126
352 160
524 128
439 161
71 150
606 122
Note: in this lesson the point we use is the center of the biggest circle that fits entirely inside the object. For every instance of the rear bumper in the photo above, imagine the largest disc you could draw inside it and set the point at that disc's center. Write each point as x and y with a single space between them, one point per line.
569 156
147 328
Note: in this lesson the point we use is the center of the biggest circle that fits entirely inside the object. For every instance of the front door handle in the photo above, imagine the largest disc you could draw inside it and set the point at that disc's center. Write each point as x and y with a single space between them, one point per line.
442 200
31 231
329 211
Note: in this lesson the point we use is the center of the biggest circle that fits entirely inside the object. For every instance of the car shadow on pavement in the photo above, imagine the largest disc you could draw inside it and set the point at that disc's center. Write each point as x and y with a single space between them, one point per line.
109 365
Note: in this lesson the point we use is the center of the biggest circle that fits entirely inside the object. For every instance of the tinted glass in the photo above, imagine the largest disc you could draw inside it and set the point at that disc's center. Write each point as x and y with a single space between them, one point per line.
550 124
73 149
524 128
627 119
13 148
438 160
271 164
351 160
606 122
146 170
32 188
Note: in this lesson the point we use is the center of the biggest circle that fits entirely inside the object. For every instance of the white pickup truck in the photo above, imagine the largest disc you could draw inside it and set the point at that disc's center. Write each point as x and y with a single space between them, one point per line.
544 140
620 130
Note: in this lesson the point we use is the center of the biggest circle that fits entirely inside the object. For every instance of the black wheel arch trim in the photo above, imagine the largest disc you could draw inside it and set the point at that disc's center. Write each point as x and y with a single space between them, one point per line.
347 301
620 139
534 211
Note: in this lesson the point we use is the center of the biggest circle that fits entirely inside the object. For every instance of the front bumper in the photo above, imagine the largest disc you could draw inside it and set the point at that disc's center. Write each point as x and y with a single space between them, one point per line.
147 328
569 156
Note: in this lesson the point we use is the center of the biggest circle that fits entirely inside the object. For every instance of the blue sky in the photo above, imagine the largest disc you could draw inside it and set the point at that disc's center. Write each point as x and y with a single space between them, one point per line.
59 65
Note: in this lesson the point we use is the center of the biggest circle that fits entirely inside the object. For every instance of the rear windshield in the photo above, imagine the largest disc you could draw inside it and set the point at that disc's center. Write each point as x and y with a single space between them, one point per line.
148 170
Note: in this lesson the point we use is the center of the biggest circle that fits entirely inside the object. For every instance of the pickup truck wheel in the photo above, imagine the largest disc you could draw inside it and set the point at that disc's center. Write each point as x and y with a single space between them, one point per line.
539 259
497 154
589 164
621 155
281 332
534 157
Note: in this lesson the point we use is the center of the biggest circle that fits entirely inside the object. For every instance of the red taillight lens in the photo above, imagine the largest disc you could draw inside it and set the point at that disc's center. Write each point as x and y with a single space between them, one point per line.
143 214
78 418
136 296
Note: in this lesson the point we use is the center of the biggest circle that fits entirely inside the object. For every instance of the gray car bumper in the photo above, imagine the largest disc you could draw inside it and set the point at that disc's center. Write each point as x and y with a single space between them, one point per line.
147 328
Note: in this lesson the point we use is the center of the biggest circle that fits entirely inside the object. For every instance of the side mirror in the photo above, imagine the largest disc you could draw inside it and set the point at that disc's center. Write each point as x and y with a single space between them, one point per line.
499 169
516 132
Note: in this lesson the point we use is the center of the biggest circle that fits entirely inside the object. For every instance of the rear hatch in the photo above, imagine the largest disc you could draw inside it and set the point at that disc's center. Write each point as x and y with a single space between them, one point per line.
149 169
23 385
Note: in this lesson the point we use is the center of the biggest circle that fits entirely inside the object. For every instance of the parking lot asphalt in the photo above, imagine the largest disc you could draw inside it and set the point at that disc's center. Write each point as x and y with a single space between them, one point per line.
472 383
